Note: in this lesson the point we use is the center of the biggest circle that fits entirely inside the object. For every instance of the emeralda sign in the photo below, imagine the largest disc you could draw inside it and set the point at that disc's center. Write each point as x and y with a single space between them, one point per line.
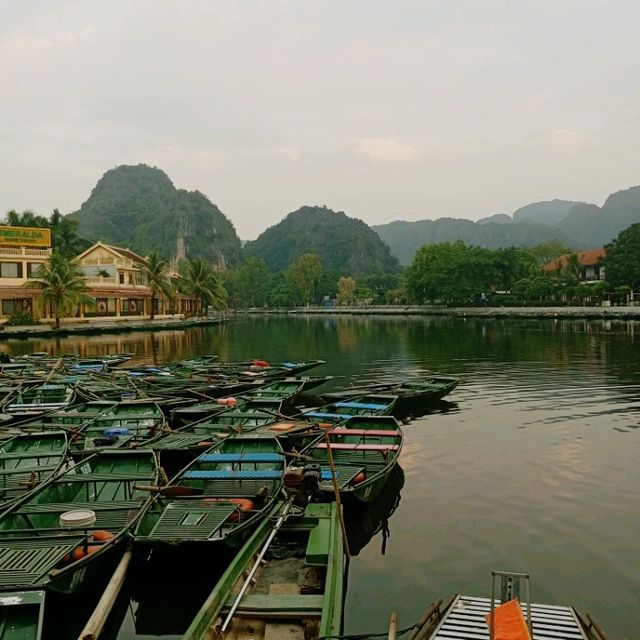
22 236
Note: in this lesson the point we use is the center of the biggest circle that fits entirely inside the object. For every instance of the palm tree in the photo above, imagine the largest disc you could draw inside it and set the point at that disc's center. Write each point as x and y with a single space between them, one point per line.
62 285
197 278
156 273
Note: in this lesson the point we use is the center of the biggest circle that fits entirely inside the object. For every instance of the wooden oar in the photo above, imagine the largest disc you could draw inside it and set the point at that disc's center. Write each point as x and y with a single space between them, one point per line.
170 491
298 456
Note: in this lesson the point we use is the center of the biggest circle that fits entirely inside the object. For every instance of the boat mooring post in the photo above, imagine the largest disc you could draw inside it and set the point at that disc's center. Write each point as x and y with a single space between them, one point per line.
336 490
96 622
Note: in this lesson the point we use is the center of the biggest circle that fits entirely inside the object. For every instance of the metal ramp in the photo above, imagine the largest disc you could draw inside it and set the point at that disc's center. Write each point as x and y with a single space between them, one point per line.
465 620
191 520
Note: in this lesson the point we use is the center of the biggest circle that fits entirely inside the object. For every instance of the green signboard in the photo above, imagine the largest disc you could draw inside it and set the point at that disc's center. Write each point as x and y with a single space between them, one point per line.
22 236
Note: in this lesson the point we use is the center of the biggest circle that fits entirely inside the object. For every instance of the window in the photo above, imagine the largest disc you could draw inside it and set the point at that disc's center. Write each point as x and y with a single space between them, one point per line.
121 278
10 270
32 267
17 305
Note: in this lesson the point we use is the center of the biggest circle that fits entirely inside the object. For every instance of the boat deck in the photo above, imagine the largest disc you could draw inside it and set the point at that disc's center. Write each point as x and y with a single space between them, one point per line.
465 620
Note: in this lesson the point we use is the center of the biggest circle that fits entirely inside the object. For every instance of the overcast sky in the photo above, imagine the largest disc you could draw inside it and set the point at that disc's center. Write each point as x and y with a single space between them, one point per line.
383 109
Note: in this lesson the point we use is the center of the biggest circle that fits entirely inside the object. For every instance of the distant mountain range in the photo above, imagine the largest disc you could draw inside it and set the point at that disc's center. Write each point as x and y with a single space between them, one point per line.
138 207
577 224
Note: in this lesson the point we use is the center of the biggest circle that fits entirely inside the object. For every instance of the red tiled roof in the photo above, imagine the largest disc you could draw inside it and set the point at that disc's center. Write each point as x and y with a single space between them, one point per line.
587 258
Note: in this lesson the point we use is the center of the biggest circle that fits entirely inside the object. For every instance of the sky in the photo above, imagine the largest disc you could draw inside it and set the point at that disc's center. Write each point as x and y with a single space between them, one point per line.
385 110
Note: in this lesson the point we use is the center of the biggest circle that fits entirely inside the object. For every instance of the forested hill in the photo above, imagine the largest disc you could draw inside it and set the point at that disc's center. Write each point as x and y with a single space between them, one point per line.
138 207
576 224
345 245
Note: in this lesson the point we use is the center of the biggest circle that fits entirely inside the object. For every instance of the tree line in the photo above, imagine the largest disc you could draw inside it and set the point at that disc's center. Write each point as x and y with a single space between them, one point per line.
450 273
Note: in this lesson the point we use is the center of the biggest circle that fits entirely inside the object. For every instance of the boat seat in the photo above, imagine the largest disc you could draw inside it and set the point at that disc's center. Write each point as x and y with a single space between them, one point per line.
317 552
362 405
347 446
108 477
280 606
365 432
220 474
323 414
240 457
61 507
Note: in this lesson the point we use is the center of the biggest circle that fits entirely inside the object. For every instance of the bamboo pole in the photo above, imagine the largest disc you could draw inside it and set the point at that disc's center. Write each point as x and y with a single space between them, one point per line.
98 618
336 490
393 626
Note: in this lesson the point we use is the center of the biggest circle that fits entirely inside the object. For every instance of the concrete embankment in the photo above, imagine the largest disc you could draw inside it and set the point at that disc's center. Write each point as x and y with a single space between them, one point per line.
462 312
96 327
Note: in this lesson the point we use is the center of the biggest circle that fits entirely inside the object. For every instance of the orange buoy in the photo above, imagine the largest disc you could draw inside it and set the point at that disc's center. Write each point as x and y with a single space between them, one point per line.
259 363
361 477
245 505
79 552
227 402
102 536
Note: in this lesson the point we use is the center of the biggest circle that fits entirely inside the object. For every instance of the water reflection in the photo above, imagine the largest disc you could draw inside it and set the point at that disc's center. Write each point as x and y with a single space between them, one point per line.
531 464
364 521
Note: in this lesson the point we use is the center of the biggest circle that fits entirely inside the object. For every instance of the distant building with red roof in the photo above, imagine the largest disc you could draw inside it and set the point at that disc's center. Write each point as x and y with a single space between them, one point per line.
591 267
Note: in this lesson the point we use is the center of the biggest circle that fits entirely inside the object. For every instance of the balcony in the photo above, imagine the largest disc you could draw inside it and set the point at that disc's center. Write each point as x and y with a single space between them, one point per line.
100 281
101 262
25 251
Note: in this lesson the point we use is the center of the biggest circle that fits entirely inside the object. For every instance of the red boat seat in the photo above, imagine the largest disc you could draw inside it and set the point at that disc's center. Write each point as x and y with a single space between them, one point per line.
358 447
364 432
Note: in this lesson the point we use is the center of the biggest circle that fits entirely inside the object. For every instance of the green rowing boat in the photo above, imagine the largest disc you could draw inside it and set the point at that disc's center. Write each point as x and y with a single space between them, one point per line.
28 460
21 615
67 531
370 404
365 450
299 584
220 497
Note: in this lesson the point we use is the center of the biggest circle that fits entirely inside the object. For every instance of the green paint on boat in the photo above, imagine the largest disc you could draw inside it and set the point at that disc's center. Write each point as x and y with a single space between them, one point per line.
300 583
21 615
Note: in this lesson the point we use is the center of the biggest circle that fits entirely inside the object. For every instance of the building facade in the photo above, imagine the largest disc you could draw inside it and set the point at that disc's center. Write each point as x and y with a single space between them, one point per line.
116 280
22 251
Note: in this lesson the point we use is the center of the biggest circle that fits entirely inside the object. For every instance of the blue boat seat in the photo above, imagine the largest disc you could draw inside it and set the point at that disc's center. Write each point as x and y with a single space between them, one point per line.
322 414
240 457
362 405
233 475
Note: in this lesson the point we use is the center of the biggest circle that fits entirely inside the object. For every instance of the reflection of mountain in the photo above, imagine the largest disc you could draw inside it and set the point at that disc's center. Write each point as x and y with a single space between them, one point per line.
364 521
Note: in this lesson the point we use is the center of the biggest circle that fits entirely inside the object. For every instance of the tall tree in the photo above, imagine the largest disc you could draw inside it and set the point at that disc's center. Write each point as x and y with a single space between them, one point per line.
622 263
252 282
198 278
303 274
156 272
62 285
64 235
346 290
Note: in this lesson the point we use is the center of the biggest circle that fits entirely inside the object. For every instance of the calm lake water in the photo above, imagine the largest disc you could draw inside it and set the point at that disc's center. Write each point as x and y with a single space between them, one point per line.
532 464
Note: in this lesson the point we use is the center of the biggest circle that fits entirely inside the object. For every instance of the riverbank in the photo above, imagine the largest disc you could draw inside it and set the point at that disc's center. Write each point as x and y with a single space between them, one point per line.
121 325
461 312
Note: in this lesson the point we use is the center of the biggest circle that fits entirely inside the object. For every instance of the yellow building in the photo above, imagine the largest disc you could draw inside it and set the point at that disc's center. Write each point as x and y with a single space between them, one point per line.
22 251
115 280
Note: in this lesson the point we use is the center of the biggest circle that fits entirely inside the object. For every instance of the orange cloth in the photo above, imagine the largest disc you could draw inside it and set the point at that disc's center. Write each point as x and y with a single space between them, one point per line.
509 622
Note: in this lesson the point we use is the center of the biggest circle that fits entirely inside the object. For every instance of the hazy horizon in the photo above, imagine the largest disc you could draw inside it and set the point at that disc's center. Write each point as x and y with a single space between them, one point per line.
404 111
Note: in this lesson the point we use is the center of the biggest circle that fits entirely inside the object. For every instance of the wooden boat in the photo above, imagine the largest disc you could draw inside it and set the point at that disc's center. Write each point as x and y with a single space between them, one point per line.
302 591
41 398
371 404
220 497
28 460
21 615
39 548
470 617
125 424
410 393
364 449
